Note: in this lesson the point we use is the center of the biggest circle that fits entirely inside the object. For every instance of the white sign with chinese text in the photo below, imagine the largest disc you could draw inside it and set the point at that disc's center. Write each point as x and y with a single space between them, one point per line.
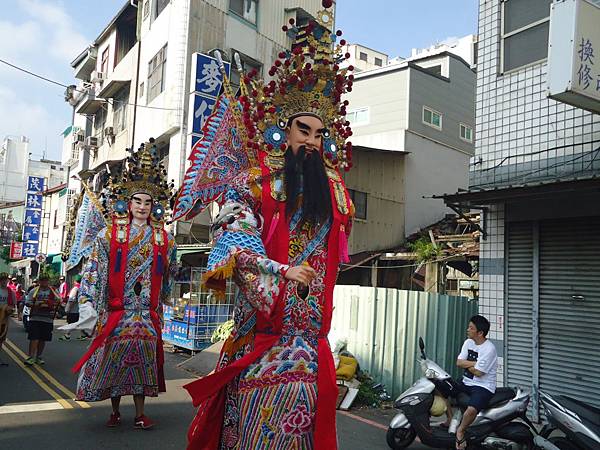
574 54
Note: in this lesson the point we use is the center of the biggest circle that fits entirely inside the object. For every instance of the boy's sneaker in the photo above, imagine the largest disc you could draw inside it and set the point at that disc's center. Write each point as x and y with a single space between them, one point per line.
65 338
115 420
30 361
143 423
40 361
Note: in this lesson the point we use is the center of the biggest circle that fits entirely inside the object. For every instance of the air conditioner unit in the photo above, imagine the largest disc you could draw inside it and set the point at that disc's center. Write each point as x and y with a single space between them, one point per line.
109 131
97 77
91 141
79 137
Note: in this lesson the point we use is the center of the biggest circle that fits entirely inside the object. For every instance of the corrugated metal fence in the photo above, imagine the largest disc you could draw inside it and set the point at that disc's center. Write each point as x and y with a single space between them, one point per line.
382 327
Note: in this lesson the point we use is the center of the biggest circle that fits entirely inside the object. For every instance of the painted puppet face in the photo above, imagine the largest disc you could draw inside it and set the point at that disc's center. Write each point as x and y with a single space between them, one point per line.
305 131
140 206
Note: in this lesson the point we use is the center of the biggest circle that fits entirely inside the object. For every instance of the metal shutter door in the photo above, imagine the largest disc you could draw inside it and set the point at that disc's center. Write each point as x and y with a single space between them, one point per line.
570 330
519 304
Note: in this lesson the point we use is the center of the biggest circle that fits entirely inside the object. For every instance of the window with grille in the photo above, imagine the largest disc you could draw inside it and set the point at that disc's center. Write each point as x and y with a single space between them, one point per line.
99 124
104 61
156 74
378 62
363 56
159 6
525 27
360 203
120 105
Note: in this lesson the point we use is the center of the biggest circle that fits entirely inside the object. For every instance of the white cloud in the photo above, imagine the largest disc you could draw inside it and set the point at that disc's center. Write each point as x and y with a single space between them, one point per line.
64 41
19 40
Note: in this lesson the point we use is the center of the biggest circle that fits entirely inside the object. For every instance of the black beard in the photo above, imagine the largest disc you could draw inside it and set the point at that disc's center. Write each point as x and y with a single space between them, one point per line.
316 199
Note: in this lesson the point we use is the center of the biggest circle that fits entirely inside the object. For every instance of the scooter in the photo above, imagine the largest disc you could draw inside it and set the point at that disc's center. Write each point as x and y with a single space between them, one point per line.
493 427
579 422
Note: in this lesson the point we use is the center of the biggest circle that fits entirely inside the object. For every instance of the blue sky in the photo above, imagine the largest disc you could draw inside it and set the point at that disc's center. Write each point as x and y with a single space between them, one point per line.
44 36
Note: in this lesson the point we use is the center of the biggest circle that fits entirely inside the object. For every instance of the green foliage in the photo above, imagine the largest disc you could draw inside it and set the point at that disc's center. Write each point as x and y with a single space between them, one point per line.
367 396
52 274
424 249
5 254
222 332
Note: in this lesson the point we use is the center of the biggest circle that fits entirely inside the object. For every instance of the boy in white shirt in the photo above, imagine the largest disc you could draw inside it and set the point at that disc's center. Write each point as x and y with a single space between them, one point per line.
479 360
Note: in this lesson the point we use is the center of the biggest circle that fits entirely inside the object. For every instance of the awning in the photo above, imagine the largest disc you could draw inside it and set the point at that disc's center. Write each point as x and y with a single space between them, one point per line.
21 263
195 248
112 87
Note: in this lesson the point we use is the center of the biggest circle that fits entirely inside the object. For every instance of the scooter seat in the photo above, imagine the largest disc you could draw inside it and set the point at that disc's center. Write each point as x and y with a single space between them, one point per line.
502 395
586 412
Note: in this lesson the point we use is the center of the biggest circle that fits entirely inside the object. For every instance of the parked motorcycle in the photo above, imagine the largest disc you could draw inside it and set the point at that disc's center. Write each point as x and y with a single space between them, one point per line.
493 428
579 422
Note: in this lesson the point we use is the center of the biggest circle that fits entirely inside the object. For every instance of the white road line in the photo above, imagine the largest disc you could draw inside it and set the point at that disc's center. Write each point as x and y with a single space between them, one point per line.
29 407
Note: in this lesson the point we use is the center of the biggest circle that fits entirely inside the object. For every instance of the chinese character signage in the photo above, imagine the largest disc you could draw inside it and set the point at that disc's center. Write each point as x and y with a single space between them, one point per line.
16 250
32 221
573 58
207 82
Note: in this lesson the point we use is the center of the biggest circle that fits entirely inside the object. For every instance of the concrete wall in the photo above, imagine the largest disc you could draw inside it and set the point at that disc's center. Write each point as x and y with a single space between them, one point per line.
430 168
386 96
14 164
381 176
454 98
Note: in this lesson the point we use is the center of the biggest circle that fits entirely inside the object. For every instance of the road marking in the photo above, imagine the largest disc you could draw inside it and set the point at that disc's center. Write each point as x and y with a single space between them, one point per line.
29 407
55 395
49 377
362 419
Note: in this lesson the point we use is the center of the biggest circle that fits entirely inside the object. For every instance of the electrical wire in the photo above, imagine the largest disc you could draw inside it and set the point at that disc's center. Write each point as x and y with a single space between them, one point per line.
354 266
41 77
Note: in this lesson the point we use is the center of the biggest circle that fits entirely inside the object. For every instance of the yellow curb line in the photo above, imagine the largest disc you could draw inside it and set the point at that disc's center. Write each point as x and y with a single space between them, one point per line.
49 377
65 404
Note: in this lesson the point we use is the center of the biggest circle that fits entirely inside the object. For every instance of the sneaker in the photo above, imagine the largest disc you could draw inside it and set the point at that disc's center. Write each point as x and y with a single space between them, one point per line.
40 361
115 420
83 338
65 338
30 361
143 423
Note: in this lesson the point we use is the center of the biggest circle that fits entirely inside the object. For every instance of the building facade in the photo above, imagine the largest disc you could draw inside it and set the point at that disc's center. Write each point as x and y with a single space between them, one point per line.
413 130
534 176
136 79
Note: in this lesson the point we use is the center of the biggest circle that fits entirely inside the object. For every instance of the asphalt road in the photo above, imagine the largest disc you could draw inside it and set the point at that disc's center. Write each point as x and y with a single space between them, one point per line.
37 410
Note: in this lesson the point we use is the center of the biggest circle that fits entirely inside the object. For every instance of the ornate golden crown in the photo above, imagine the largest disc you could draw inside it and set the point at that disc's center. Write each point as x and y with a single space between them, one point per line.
306 80
142 173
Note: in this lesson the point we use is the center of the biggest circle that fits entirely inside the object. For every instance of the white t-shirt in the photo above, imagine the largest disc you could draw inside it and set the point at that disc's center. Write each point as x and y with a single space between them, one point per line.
486 362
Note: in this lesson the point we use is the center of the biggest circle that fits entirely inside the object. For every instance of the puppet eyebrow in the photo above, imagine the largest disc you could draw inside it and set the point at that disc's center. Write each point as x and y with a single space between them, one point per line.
306 127
139 199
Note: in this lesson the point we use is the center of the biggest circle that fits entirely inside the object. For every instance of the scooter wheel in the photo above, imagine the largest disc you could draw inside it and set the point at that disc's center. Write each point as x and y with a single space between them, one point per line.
400 438
563 443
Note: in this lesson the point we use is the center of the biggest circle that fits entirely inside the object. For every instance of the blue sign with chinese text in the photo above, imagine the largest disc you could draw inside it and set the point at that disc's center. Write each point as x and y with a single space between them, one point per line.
35 184
203 107
208 76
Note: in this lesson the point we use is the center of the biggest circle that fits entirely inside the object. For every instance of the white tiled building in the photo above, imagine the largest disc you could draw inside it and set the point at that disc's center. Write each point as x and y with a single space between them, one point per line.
534 175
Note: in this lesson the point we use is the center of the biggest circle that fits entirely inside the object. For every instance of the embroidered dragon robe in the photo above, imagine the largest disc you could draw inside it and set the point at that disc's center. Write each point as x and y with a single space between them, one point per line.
274 386
125 357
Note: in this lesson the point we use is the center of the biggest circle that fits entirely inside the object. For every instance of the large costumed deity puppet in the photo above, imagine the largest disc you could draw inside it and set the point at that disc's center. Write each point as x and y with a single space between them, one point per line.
127 277
272 159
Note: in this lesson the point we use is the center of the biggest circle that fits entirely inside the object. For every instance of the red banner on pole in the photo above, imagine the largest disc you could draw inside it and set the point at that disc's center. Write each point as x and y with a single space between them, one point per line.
16 250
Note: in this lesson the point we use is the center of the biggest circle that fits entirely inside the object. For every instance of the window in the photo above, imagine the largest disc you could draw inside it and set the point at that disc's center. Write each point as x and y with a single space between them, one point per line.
56 218
244 8
146 9
159 6
360 203
525 30
363 56
120 105
141 90
432 118
378 62
248 64
99 123
156 74
466 133
358 116
104 61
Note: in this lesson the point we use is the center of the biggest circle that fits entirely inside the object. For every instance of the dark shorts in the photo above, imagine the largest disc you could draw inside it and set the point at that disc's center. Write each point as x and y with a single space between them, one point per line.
479 397
72 317
41 331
